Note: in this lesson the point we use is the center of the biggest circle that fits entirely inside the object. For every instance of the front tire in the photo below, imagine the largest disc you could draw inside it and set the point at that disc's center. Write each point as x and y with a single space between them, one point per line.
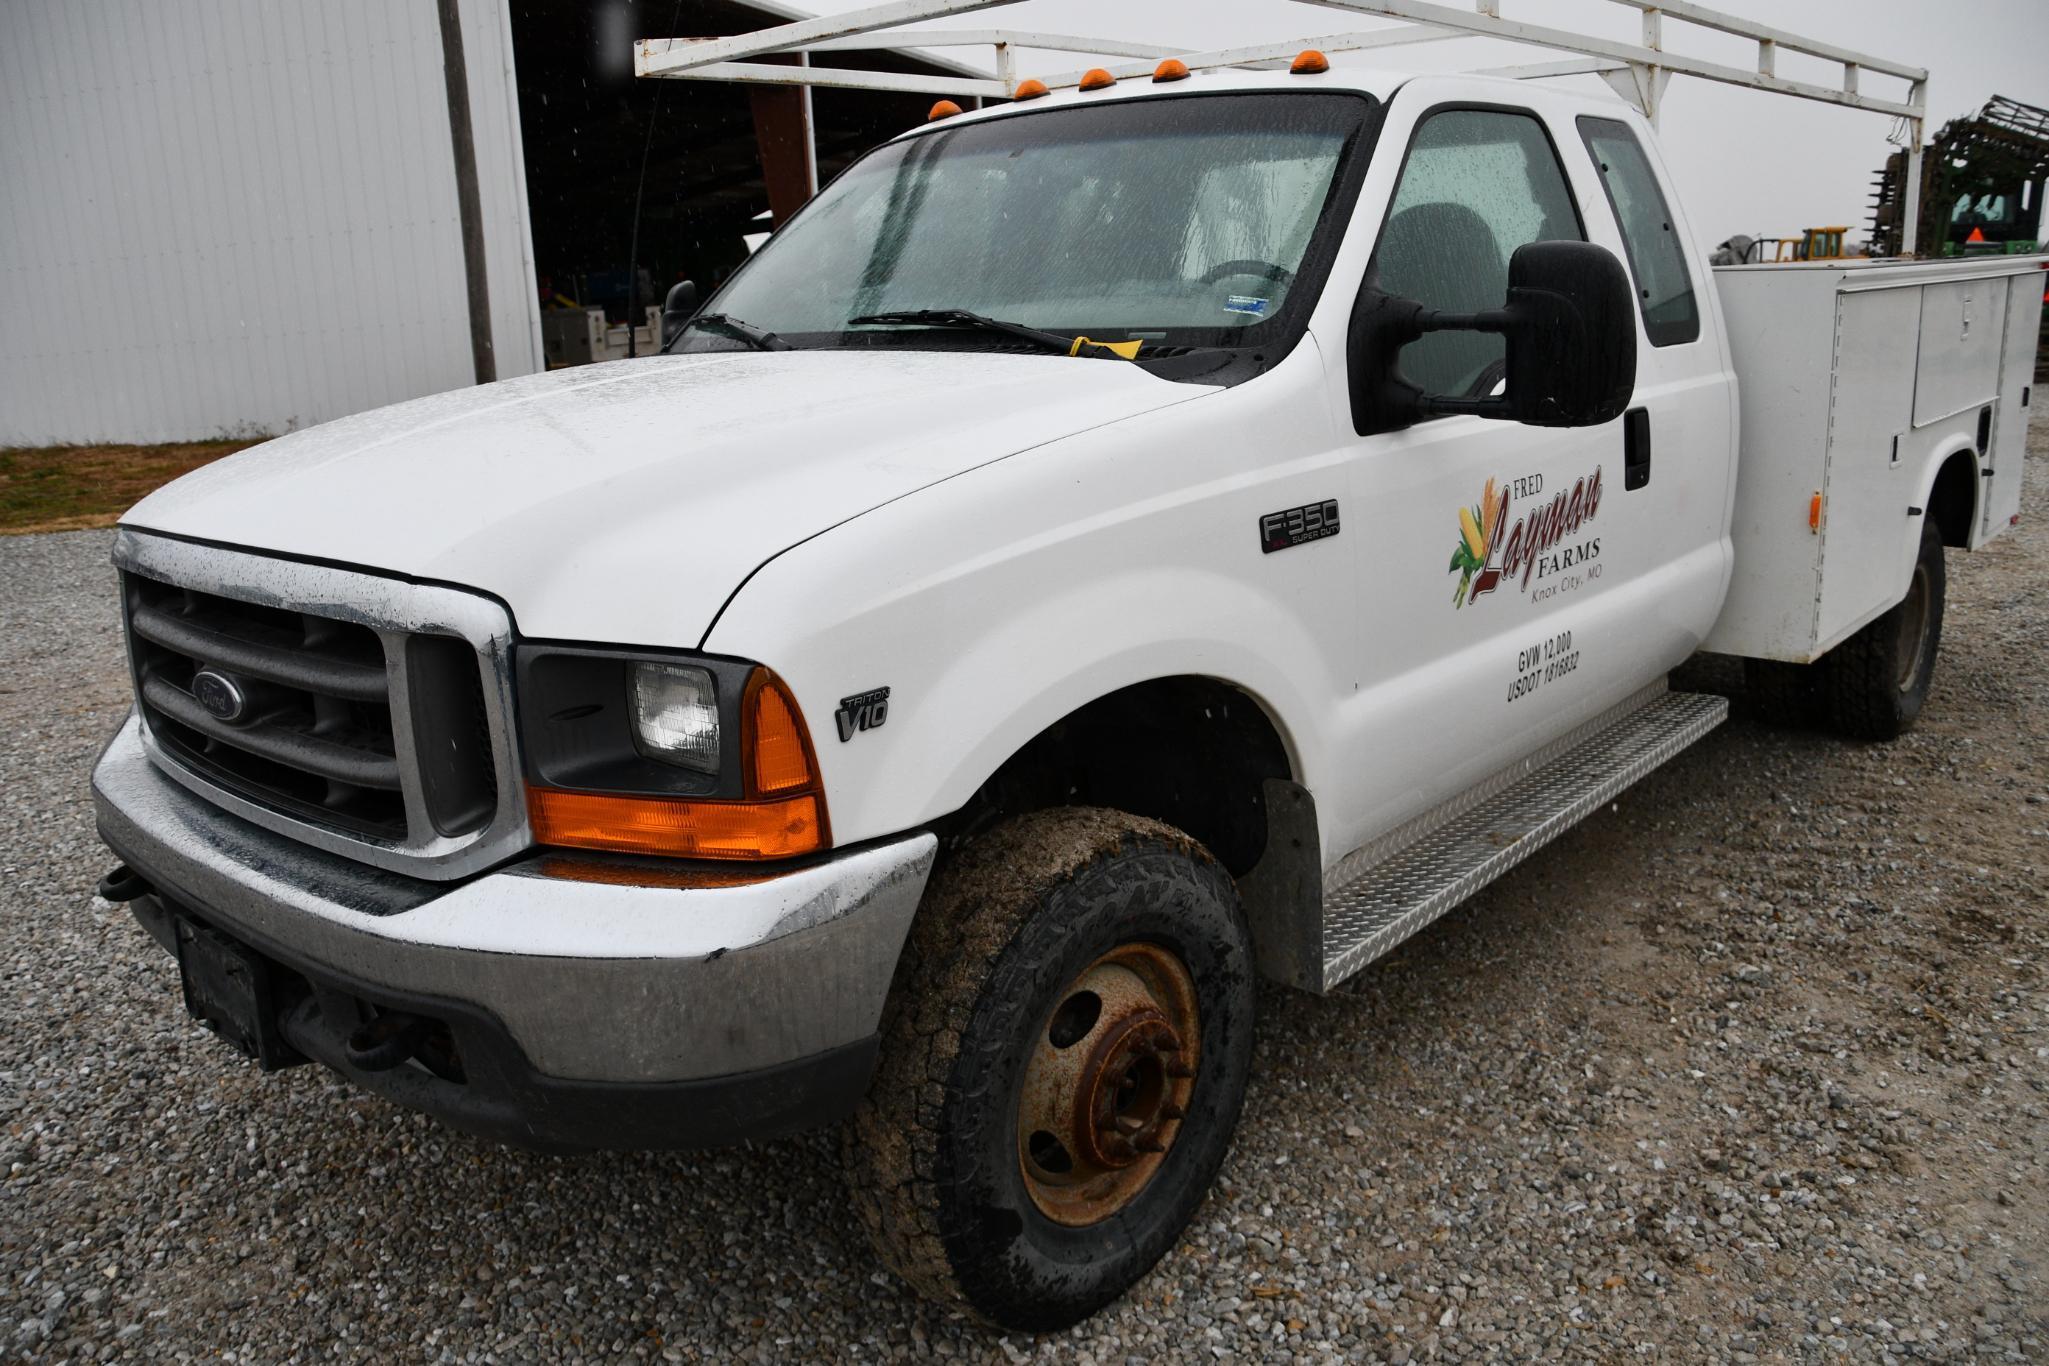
1879 678
1064 1057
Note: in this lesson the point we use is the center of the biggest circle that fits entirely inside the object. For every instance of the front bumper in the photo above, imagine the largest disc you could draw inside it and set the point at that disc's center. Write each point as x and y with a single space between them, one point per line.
586 1013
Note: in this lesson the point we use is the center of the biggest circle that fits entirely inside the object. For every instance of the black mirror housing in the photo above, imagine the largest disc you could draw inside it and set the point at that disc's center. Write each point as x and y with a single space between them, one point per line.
676 310
1569 323
1571 335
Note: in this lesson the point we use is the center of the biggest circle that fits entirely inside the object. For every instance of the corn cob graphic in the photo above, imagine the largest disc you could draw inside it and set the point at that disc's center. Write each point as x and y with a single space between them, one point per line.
1476 540
1476 526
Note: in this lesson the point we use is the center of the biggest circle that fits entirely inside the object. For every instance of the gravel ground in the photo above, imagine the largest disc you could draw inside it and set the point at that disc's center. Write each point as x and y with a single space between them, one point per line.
1753 1066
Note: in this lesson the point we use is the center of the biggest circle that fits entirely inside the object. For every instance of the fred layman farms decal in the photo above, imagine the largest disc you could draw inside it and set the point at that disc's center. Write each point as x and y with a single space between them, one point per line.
1531 548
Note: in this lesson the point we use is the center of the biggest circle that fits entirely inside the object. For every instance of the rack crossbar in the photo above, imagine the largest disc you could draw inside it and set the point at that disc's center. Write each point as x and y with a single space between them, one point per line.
1638 71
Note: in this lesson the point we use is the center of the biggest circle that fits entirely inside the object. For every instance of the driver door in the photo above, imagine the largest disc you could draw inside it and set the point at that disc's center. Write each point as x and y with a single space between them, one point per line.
1491 539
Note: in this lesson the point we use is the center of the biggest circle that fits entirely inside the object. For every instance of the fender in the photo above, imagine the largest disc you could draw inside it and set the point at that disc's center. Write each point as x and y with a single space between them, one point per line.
994 604
1951 445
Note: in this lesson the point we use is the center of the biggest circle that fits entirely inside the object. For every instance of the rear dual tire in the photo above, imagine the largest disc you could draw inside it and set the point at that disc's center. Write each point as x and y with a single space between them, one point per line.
1879 679
1874 685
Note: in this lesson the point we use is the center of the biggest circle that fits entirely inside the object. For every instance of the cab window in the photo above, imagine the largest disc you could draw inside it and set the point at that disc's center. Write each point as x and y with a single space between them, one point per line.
1657 260
1477 184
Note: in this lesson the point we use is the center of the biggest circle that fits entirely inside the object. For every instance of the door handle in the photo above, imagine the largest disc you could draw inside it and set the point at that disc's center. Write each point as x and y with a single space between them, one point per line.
1636 448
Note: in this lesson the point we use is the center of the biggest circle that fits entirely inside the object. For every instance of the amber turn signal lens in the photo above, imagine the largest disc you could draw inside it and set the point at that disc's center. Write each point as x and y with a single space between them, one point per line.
1173 69
1309 62
1095 78
1028 90
773 737
945 109
677 827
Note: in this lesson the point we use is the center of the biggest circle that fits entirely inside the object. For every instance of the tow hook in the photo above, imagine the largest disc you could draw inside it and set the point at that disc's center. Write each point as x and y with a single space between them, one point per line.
385 1042
123 884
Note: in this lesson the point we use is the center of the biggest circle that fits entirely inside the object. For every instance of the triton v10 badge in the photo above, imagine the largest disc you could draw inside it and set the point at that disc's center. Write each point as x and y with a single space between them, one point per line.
862 711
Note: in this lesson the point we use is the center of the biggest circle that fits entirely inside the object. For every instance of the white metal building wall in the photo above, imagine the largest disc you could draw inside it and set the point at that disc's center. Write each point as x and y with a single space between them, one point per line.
239 216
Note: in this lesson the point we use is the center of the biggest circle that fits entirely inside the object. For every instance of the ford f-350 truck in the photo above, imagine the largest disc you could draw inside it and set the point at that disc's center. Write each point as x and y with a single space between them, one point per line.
1102 550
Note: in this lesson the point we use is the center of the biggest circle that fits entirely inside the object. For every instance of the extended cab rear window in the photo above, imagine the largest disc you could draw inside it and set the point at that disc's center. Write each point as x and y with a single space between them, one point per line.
1656 259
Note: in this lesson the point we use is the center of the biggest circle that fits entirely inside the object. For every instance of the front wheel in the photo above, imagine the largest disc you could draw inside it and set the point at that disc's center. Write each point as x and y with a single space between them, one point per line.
1878 679
1064 1058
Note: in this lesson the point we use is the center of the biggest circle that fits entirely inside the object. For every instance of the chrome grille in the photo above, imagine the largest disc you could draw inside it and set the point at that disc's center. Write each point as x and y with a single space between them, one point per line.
315 738
359 713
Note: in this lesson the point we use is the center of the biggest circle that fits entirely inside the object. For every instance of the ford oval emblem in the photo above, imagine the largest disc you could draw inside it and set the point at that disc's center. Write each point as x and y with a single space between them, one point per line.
221 695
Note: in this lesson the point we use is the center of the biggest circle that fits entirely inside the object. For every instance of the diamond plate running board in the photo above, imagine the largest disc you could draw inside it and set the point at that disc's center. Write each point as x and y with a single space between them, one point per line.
1378 907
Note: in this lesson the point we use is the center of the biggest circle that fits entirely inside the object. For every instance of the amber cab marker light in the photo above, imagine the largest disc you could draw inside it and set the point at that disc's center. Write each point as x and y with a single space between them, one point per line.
1814 512
1095 78
1173 69
945 109
1028 90
1309 62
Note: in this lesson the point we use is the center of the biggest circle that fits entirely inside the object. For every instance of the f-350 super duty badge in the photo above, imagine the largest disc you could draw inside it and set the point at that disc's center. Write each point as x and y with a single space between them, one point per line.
1298 526
862 711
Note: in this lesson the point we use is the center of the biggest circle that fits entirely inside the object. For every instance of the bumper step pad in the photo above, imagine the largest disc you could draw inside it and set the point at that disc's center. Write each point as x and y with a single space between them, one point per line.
1440 860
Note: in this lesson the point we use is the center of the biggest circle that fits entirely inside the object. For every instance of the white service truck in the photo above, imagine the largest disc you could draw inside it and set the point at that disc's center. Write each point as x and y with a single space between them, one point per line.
1102 550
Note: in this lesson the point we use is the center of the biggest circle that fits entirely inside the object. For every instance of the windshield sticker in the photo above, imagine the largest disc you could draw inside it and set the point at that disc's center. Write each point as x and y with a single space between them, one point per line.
1490 549
1247 304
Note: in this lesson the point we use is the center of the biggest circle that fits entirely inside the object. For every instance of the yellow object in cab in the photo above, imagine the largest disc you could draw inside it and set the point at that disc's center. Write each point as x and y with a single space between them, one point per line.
1126 349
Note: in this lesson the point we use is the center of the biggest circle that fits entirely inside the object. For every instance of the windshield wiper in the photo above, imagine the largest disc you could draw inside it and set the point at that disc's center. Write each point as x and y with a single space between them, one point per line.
760 338
960 317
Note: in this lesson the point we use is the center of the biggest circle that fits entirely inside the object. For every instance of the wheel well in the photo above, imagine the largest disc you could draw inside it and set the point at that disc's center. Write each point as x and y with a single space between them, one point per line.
1193 752
1953 501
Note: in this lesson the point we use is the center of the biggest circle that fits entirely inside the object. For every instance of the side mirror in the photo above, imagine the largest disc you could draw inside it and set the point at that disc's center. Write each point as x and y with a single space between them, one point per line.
676 310
1570 325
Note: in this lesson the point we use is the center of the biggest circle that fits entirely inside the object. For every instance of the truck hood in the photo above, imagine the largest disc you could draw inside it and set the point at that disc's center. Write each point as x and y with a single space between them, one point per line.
626 502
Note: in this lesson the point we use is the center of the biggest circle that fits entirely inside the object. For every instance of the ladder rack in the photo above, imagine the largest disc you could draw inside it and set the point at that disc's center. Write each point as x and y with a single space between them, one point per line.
1638 72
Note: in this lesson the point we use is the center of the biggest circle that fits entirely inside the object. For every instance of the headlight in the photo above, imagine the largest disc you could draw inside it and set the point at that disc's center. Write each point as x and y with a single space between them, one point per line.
634 751
676 715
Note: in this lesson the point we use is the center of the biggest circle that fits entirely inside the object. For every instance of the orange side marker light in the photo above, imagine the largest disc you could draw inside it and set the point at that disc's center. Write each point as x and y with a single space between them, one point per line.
1028 90
1309 62
945 109
778 753
1172 69
1095 78
1814 513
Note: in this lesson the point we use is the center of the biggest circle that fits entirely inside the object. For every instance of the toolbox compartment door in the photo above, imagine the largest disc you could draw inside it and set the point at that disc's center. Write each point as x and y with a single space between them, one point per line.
1867 533
1963 330
2009 453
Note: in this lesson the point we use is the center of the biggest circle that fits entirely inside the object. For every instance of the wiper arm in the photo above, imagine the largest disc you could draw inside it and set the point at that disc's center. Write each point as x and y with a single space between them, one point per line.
760 338
960 317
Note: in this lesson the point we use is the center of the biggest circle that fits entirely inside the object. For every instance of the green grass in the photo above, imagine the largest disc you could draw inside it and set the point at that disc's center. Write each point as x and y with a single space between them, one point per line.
72 488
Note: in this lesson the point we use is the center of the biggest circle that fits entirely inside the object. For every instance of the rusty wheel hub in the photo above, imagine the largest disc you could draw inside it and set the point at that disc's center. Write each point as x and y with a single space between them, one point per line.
1108 1083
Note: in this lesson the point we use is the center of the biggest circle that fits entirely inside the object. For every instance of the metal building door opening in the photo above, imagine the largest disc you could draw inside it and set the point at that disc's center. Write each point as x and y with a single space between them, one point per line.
725 161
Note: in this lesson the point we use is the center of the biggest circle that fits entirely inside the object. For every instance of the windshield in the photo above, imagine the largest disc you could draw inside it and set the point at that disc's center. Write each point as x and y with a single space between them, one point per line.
1177 221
